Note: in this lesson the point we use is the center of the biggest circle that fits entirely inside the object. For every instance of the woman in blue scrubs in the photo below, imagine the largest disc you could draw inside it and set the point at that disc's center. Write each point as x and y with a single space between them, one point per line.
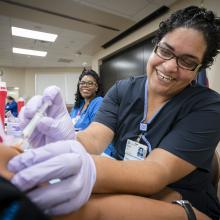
88 98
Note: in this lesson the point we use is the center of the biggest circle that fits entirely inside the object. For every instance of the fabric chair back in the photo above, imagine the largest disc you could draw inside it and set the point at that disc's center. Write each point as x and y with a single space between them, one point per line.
215 172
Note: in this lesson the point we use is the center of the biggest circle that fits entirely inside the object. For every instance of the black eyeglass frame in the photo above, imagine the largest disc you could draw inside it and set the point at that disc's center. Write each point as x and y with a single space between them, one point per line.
88 84
195 69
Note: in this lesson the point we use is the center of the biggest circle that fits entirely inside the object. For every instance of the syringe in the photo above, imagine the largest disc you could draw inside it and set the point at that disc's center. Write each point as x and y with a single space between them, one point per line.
28 130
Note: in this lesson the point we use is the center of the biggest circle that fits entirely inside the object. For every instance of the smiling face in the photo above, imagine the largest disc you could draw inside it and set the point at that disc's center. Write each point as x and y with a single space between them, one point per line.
165 77
88 87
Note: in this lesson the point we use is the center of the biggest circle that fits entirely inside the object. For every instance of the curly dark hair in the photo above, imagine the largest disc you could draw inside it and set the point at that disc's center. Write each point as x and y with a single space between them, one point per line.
85 72
199 19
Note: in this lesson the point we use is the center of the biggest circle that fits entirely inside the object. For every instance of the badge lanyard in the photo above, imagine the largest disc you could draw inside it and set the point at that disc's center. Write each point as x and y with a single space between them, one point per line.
134 149
144 126
141 147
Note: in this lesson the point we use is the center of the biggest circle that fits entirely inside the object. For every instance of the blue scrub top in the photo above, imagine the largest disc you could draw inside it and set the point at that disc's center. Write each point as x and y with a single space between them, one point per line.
86 116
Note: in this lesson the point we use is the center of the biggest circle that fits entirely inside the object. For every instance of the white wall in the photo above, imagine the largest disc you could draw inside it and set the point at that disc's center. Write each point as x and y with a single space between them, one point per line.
25 79
67 82
14 77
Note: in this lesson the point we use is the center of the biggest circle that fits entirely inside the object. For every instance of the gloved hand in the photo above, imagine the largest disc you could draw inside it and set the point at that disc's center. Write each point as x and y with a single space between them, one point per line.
56 125
66 160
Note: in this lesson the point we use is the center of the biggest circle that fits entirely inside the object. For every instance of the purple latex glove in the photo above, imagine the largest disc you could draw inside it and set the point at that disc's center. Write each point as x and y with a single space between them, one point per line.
65 160
56 125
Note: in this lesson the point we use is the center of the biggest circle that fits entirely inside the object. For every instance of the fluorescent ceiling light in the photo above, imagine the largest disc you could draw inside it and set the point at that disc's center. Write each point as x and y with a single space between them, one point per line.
29 52
21 32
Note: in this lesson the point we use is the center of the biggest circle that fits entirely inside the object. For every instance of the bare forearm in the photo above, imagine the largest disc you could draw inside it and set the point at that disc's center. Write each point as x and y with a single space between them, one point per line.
87 142
136 177
129 207
95 138
144 177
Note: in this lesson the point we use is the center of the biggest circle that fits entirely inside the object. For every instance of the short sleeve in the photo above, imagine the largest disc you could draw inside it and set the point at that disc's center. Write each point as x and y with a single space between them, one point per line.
195 137
108 111
95 105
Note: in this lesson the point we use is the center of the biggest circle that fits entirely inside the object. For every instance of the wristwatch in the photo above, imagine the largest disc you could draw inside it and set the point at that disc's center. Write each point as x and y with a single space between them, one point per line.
188 208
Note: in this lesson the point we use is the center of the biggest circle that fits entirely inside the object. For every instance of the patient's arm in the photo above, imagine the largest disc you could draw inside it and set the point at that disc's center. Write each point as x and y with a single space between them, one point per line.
92 209
6 153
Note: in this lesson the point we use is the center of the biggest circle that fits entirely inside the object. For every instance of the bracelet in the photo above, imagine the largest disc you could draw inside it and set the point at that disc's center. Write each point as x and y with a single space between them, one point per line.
188 208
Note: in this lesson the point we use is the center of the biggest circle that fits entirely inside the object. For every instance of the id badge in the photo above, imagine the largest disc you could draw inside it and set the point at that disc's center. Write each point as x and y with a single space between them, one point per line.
135 150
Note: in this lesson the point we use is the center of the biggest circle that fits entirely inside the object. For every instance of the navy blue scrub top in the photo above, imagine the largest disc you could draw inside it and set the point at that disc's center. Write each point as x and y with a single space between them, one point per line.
188 126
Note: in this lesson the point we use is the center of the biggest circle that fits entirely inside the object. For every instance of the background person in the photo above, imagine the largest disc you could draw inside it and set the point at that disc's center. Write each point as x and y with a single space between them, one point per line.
11 106
177 121
88 99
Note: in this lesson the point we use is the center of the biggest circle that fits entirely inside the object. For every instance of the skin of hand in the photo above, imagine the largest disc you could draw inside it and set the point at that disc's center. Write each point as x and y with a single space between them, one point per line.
6 154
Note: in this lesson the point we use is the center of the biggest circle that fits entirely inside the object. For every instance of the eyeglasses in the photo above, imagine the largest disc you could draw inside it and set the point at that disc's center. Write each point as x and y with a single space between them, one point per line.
184 61
88 84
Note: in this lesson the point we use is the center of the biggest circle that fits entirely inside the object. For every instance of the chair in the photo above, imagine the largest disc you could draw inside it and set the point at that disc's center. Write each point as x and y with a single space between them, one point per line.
215 171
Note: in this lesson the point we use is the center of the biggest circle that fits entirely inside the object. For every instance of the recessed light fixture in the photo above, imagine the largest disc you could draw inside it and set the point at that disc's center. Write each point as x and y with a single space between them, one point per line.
29 52
21 32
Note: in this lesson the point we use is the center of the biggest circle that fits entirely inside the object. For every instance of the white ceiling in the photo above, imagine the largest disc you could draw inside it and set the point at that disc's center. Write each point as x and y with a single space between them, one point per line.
78 40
